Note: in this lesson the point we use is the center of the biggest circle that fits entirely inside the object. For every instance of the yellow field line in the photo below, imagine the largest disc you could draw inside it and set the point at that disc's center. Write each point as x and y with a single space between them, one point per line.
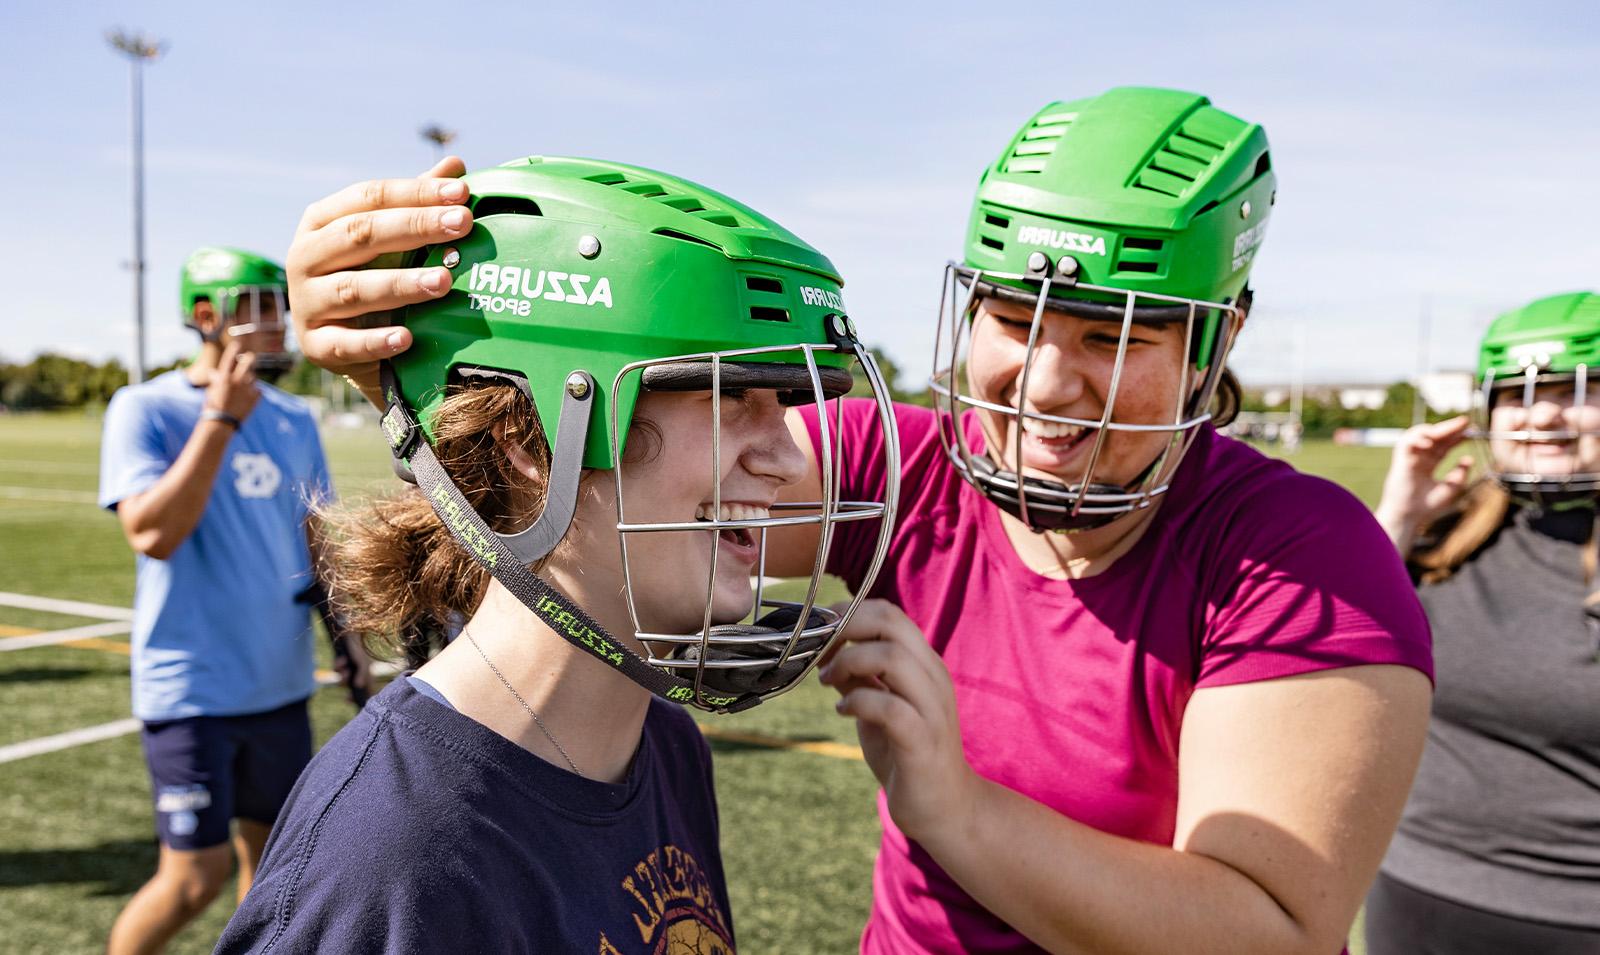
97 643
814 747
835 750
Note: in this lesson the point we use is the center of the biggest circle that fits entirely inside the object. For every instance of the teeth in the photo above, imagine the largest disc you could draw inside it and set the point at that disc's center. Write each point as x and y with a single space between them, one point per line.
733 512
1051 429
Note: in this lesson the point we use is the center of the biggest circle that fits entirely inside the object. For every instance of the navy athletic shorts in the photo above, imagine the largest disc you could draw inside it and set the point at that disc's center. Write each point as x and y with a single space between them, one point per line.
206 771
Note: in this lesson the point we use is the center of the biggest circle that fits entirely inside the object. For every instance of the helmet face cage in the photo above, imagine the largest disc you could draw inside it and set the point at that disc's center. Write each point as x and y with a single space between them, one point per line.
241 310
724 660
1042 504
1542 488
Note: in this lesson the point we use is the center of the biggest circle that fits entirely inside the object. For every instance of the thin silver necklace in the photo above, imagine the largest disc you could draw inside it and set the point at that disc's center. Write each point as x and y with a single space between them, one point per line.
507 684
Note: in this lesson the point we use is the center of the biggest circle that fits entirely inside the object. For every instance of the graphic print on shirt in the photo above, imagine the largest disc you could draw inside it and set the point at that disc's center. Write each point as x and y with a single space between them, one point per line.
255 475
676 911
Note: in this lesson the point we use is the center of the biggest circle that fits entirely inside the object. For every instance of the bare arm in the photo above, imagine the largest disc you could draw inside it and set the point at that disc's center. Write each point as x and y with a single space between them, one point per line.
157 520
1290 791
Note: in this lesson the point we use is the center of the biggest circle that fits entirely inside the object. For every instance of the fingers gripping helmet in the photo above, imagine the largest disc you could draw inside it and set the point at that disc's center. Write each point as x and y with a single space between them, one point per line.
584 282
1138 205
1554 340
248 293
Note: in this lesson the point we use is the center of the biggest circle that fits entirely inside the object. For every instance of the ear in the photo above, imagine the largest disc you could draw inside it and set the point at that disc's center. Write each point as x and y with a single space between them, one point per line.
520 459
204 317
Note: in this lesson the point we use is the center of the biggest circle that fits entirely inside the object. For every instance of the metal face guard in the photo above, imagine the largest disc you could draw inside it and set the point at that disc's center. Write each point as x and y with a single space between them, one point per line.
242 312
1044 503
1542 489
770 652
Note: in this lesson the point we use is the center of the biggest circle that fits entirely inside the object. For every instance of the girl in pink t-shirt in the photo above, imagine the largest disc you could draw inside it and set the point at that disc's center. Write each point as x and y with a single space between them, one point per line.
1160 695
1164 694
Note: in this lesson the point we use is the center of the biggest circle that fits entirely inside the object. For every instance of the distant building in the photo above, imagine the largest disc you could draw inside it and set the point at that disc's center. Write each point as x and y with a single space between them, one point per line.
1352 397
1447 390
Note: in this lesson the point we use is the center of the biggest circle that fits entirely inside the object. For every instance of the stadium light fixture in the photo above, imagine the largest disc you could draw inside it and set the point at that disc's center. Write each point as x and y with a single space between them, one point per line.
139 49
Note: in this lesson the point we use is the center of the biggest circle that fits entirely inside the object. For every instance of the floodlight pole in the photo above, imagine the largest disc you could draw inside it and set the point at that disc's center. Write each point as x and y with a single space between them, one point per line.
139 51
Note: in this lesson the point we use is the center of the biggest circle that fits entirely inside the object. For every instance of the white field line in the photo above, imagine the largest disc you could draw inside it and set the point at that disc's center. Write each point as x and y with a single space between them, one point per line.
110 629
76 608
49 467
67 740
90 734
47 494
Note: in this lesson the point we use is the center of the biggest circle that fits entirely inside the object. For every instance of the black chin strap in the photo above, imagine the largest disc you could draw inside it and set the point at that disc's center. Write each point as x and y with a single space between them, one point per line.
413 453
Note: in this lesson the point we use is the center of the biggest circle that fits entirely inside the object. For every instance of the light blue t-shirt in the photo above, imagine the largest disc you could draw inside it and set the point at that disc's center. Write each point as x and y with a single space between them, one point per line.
216 629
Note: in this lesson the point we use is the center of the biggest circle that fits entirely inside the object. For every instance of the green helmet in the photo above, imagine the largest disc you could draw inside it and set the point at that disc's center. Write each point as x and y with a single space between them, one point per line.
582 282
1554 339
248 292
1553 335
1138 204
583 264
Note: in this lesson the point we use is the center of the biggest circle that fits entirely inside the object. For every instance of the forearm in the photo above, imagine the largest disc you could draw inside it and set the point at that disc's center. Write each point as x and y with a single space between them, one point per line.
1399 527
156 521
1073 889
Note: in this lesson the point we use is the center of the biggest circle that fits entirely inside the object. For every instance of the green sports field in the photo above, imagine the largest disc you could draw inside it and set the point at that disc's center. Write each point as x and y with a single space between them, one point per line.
76 835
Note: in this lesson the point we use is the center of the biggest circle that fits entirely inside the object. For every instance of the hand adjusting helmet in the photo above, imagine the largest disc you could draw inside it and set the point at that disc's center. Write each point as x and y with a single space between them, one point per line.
1138 205
1555 340
248 294
583 282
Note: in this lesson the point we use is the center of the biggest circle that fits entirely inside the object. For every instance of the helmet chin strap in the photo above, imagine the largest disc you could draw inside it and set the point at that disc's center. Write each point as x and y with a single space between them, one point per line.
507 558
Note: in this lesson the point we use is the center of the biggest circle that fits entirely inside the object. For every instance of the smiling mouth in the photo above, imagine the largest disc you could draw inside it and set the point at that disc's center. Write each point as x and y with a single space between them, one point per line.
741 541
1052 443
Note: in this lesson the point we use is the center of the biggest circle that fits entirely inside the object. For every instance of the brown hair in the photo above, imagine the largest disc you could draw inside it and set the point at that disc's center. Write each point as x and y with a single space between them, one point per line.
395 573
1450 540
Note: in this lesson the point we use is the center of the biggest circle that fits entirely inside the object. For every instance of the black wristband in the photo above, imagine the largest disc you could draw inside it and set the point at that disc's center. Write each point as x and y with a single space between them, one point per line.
212 414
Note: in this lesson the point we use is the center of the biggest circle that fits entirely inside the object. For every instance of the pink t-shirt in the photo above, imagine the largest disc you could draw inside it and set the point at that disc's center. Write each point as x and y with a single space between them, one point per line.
1072 692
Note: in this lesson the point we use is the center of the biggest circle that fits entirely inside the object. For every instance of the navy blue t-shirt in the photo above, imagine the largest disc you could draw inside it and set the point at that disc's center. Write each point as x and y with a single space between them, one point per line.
417 829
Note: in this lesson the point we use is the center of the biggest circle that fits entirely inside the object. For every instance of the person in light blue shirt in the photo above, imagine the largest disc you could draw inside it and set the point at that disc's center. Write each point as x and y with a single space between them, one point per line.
213 474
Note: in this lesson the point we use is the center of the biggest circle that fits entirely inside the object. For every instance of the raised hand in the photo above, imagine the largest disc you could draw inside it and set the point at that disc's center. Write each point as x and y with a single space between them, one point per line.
340 308
232 389
900 694
1412 494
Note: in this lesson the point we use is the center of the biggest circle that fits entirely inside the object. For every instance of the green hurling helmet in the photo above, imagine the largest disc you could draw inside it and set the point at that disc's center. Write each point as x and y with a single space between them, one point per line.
584 282
248 292
1554 340
1136 206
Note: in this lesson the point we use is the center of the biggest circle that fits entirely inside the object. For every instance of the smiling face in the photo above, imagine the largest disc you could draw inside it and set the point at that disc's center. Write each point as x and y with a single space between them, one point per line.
1565 437
1074 359
675 484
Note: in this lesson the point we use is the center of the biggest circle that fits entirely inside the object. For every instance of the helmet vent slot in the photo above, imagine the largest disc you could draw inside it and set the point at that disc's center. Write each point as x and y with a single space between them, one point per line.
999 222
992 243
686 237
764 313
1136 242
1037 143
756 283
1138 267
504 205
607 178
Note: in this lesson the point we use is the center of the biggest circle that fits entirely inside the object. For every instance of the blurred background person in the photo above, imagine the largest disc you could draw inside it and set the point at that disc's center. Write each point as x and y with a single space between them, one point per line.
1499 847
212 472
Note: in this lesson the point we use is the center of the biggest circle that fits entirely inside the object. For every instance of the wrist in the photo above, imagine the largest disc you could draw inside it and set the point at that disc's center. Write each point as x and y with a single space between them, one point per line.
217 414
953 825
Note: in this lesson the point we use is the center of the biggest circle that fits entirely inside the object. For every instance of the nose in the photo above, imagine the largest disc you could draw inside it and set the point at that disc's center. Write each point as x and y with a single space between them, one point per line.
771 453
1055 378
1545 415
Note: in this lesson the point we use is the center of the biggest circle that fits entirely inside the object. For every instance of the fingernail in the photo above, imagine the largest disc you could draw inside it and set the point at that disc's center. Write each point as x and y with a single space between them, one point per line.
454 220
838 706
432 280
393 340
455 190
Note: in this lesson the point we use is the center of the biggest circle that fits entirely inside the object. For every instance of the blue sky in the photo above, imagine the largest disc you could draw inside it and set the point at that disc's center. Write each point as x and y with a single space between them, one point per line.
1430 155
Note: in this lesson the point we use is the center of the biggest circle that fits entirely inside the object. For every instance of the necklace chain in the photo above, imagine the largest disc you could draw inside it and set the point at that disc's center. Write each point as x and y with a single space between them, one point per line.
513 690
